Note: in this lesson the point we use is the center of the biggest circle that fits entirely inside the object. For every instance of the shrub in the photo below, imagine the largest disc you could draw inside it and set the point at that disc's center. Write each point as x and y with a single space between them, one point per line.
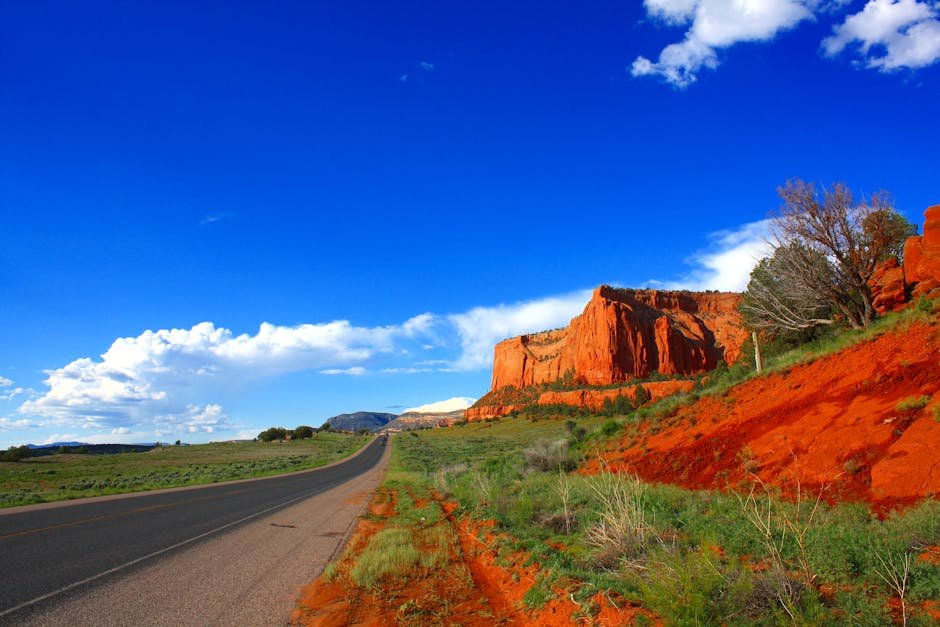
302 432
610 427
549 455
912 404
622 530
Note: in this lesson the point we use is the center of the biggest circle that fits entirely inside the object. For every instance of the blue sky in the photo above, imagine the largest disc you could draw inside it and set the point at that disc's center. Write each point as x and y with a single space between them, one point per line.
390 188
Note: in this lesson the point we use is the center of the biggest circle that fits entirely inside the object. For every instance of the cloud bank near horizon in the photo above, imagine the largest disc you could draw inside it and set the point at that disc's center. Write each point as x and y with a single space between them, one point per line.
890 34
174 382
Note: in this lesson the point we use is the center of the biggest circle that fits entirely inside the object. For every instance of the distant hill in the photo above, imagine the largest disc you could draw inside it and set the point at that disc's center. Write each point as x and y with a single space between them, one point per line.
360 420
91 449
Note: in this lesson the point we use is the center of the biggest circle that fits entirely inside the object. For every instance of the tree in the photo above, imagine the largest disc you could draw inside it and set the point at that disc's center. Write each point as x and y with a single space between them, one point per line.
15 454
826 248
273 433
302 432
780 299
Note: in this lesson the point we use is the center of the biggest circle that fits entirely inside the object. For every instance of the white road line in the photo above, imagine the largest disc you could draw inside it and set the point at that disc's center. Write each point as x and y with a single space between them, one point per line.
110 571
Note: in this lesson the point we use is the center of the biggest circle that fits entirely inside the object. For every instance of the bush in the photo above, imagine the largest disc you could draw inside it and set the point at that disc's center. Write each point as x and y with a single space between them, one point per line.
549 456
274 433
912 404
303 432
15 454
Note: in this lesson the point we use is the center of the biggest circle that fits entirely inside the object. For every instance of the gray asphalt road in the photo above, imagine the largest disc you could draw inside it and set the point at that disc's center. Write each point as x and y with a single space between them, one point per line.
227 554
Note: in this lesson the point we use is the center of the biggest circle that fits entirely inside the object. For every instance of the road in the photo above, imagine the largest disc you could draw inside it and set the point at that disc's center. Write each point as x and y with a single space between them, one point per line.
227 554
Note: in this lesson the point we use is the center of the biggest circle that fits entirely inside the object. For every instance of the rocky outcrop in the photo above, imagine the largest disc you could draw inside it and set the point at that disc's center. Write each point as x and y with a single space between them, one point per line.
922 257
887 286
626 334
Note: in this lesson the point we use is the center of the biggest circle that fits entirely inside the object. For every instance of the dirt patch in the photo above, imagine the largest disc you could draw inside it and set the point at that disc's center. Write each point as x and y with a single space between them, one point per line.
476 587
838 421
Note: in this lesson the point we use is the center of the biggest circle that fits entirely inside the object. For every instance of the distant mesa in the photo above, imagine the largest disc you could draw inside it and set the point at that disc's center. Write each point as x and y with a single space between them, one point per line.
360 420
623 335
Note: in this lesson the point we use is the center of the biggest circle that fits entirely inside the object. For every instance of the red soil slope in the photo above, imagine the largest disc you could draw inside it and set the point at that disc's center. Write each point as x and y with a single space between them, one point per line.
835 421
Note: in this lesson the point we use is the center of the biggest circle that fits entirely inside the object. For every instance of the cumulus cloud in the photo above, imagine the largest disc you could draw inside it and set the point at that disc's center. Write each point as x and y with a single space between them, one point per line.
480 328
890 34
726 264
442 407
5 383
711 26
156 377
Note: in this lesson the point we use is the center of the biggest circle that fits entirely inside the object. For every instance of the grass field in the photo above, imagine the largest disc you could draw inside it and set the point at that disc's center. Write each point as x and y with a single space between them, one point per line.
69 476
691 557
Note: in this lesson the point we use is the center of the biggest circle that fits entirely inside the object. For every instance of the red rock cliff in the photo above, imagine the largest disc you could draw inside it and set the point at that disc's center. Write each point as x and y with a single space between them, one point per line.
922 256
625 334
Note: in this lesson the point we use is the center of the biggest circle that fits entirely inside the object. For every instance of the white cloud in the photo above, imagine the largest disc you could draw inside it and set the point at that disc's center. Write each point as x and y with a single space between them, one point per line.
727 263
60 437
355 371
158 377
9 395
5 383
427 66
16 425
442 407
712 26
480 328
891 34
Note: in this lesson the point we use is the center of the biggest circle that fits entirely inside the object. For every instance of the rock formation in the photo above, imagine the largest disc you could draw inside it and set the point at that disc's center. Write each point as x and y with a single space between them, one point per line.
627 334
922 257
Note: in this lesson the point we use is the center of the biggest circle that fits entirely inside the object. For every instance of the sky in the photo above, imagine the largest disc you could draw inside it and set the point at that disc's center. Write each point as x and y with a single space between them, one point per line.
219 217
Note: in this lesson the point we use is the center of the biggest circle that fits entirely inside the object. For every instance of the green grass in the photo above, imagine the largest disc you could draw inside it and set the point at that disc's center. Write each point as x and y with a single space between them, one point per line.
415 539
671 564
69 476
391 551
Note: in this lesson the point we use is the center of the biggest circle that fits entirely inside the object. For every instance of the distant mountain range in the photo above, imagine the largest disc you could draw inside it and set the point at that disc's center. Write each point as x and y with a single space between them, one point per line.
370 420
56 445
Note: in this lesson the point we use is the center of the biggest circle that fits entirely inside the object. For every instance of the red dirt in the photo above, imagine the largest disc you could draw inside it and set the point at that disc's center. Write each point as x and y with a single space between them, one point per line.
833 422
491 595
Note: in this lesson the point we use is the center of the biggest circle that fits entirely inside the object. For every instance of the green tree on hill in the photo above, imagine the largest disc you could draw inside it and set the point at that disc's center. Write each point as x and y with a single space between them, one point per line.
825 251
272 434
303 432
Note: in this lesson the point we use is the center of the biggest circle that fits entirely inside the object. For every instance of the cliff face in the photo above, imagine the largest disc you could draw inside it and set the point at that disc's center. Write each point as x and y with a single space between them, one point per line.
922 256
625 334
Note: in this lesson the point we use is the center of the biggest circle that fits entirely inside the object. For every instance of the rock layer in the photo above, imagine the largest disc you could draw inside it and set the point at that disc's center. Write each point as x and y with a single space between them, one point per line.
627 334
